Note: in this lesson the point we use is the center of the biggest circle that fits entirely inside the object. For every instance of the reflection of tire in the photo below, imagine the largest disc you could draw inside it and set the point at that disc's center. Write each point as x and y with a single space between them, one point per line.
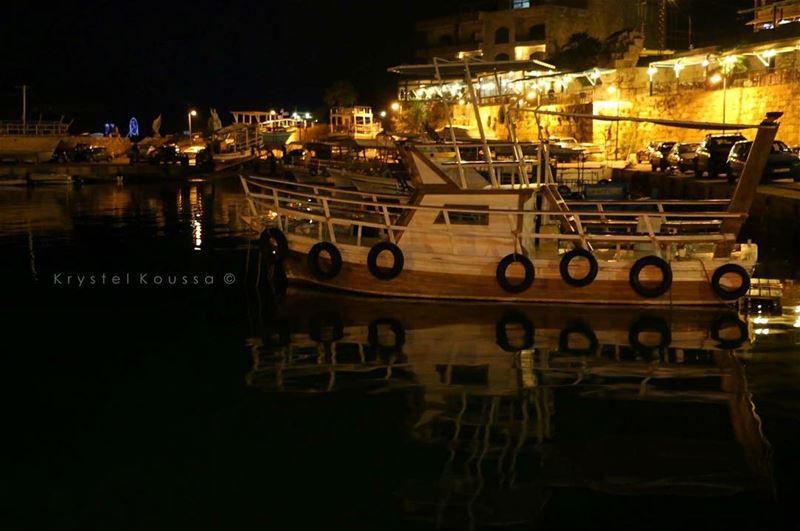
723 321
501 332
397 330
649 324
273 245
382 273
567 276
582 329
314 261
320 321
636 271
502 269
726 294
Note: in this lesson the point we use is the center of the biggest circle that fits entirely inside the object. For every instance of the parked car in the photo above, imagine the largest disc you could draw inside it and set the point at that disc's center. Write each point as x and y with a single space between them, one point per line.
782 162
658 157
712 155
89 153
681 156
643 155
167 154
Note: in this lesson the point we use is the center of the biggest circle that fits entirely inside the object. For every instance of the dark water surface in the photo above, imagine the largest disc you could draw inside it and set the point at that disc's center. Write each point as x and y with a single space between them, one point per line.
136 404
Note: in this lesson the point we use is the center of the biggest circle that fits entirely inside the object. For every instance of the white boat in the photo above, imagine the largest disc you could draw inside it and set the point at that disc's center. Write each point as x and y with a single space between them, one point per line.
466 233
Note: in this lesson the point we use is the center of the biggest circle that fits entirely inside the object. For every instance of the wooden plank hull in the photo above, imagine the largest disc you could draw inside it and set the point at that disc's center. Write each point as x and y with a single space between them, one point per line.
689 288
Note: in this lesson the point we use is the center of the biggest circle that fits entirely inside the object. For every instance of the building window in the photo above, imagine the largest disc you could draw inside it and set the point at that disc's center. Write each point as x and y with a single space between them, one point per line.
501 35
520 4
501 57
445 40
536 33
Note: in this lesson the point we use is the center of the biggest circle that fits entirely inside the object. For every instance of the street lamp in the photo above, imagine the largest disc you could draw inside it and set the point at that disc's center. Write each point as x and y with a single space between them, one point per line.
191 113
395 106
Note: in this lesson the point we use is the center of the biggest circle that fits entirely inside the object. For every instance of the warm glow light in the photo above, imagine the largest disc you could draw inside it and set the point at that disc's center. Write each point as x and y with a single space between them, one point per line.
462 102
383 114
729 60
395 106
272 112
651 72
706 62
531 95
679 68
193 112
308 116
769 54
612 89
715 79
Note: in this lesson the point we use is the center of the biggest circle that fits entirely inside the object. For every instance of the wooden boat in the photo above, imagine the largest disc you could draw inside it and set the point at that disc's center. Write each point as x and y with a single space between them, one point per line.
466 233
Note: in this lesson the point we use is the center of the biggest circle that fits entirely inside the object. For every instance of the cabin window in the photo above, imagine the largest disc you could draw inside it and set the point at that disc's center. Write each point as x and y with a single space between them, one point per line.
536 33
501 35
360 120
464 218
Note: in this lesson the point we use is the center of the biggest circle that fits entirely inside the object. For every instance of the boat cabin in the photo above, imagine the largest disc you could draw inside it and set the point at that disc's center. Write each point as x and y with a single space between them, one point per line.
355 122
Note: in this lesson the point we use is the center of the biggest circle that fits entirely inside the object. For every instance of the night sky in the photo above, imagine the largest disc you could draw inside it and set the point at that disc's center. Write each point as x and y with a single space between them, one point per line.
95 61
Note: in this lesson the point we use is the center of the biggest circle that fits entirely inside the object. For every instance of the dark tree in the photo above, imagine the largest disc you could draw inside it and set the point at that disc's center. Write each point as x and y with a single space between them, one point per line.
340 93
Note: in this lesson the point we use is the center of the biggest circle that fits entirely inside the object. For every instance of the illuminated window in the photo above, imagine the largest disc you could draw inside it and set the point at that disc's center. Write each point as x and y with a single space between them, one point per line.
520 4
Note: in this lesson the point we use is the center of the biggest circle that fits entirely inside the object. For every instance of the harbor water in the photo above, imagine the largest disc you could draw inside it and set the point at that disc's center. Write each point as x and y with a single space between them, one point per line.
153 379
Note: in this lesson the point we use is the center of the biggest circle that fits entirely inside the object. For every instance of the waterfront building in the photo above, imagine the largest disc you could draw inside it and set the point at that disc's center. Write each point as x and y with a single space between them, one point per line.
710 84
530 29
356 122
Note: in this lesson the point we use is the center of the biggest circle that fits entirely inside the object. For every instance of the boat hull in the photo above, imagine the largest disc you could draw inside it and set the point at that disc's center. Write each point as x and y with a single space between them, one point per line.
611 286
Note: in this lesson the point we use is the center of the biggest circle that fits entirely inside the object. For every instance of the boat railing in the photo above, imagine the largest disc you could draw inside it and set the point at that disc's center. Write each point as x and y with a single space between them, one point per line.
34 128
352 220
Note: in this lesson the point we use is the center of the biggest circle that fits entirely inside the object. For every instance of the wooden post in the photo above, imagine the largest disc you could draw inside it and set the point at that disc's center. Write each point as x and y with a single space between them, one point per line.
747 186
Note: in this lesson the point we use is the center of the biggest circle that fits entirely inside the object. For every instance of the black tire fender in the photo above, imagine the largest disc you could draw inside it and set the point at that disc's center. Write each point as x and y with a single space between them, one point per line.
730 295
568 258
379 272
636 270
314 262
502 269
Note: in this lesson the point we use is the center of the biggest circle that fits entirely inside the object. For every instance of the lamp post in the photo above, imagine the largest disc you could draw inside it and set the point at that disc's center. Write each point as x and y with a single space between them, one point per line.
191 113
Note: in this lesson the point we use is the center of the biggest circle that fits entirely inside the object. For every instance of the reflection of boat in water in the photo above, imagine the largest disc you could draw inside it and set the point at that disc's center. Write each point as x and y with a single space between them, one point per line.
522 406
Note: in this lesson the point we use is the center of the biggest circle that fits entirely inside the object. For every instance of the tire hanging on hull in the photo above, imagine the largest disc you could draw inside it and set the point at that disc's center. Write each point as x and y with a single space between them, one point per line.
502 269
734 294
662 287
379 272
314 261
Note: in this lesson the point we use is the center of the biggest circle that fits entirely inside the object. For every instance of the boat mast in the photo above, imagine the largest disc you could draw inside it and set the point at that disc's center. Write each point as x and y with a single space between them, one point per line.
746 188
487 155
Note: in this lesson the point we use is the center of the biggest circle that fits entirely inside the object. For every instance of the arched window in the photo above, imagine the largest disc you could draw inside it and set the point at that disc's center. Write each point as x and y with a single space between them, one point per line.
536 33
445 40
501 35
501 57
